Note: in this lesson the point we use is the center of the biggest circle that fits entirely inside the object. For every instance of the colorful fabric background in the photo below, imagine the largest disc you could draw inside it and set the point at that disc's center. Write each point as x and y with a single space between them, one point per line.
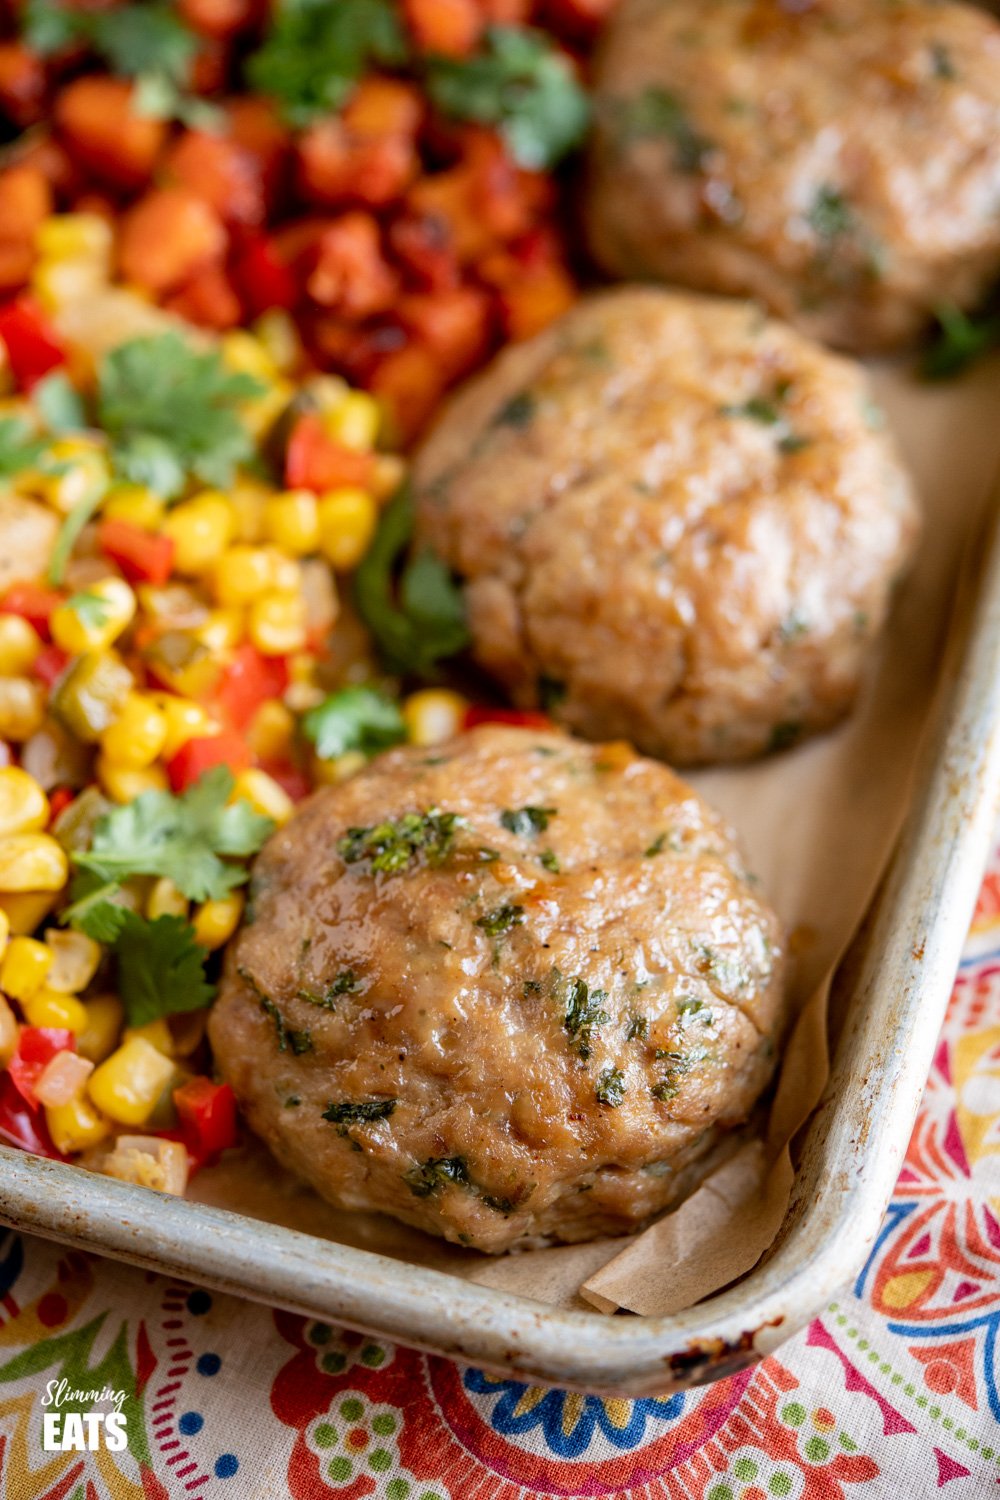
890 1394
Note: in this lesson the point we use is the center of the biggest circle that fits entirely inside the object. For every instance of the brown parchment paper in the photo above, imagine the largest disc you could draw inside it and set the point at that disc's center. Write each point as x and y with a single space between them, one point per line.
818 824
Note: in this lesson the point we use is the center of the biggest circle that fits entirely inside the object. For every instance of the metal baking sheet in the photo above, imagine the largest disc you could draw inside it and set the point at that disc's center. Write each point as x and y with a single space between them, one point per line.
892 993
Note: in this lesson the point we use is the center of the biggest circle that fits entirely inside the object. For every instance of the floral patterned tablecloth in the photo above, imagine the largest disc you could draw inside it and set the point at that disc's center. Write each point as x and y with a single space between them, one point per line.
891 1392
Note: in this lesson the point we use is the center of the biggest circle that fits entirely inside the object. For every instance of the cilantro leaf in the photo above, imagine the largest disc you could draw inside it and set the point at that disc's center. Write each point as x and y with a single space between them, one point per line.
20 449
424 619
316 51
71 528
184 838
356 718
169 410
91 608
161 969
522 85
58 404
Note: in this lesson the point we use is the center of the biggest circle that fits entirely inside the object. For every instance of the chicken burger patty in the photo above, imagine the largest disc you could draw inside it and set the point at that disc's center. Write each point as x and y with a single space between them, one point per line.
677 523
510 990
839 160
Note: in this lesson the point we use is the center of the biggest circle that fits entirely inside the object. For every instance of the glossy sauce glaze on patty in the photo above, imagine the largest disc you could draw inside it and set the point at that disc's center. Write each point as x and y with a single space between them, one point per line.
677 522
510 990
837 159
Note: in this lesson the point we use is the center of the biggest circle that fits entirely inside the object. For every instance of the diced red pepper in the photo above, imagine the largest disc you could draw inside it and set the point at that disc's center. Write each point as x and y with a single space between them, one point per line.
142 556
32 345
200 754
526 718
49 665
295 782
23 1124
250 680
34 602
316 461
59 799
207 1113
36 1047
263 279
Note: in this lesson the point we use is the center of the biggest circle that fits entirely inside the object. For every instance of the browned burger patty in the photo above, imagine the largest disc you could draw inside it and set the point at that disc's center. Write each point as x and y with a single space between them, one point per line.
837 159
510 991
676 523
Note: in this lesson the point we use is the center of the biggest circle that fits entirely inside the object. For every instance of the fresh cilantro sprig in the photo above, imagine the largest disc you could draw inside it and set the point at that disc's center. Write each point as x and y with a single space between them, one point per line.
521 84
356 718
192 840
148 42
170 412
317 51
417 615
161 967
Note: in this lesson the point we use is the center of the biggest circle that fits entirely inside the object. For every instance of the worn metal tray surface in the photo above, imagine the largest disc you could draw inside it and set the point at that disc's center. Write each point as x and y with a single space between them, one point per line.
891 997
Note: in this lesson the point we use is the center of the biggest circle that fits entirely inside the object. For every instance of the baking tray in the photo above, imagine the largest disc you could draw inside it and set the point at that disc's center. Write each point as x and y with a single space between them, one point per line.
891 995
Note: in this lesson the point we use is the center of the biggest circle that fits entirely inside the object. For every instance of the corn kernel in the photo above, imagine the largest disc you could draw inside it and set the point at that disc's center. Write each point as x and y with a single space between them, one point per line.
25 967
433 715
387 475
79 470
247 355
260 414
75 957
216 921
59 283
156 1033
325 392
271 731
49 1008
248 498
19 646
291 521
128 1084
265 795
303 691
137 505
24 807
74 236
138 734
165 900
76 1126
201 529
242 573
277 623
25 910
330 772
93 619
4 930
222 629
99 1036
9 1032
22 708
124 783
186 720
347 520
355 421
279 336
32 862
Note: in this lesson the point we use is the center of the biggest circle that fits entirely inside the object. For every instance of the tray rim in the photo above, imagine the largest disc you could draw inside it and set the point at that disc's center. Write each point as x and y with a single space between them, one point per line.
903 967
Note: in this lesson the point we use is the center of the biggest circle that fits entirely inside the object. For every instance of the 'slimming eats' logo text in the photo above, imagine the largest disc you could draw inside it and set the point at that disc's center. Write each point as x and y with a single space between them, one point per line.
76 1431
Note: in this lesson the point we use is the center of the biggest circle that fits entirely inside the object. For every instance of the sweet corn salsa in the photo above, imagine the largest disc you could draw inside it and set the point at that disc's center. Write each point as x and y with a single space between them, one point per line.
180 663
368 180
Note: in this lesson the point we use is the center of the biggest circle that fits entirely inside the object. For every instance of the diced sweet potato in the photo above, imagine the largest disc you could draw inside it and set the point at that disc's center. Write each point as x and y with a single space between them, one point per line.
25 200
337 167
96 120
422 244
17 257
168 238
450 28
351 274
217 18
535 300
208 299
409 381
254 125
22 84
454 325
383 106
221 172
450 197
